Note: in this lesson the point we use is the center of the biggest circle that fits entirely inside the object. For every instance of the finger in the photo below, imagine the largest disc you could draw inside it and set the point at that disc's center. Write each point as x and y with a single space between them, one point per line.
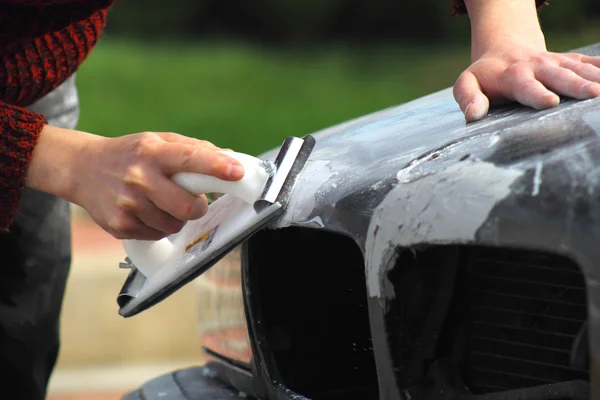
584 70
523 87
177 138
469 96
567 82
176 201
124 226
179 157
149 214
593 60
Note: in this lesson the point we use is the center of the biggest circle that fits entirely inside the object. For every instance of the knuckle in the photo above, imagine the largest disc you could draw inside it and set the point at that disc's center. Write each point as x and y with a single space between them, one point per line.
517 71
528 85
577 57
215 167
120 225
205 143
543 64
126 203
144 145
135 175
186 211
194 210
541 60
579 68
188 155
219 164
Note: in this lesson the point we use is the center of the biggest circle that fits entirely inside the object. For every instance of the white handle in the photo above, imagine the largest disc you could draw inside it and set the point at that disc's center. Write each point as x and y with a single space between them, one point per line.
150 256
249 188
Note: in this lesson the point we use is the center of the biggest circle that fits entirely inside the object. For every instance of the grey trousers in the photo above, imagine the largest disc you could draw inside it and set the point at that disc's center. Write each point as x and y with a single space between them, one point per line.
35 260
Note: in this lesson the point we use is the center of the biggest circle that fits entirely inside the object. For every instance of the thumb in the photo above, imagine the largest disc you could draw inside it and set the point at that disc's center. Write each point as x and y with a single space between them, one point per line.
469 96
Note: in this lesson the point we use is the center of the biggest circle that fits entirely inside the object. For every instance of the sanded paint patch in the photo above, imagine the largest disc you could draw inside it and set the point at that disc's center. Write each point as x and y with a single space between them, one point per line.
447 207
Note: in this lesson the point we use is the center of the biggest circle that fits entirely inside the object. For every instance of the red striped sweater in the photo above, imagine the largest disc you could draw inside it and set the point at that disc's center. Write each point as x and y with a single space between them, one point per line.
42 42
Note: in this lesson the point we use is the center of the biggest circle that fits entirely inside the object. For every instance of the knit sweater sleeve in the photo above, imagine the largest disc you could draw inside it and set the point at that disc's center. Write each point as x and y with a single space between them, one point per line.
461 9
29 70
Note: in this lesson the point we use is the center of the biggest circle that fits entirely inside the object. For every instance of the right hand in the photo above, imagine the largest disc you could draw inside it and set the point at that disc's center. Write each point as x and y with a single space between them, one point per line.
124 183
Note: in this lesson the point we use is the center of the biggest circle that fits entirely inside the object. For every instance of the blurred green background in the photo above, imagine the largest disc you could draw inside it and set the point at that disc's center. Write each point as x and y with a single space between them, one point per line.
246 74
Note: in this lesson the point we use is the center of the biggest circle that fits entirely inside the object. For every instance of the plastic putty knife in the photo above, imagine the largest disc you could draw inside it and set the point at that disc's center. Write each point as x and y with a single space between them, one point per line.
159 268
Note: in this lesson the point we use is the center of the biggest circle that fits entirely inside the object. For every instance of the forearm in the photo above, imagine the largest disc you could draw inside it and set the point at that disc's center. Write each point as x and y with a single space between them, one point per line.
36 155
495 21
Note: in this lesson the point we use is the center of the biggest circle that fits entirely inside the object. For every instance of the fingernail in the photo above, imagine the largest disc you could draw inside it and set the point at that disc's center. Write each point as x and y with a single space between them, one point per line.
236 171
475 113
551 100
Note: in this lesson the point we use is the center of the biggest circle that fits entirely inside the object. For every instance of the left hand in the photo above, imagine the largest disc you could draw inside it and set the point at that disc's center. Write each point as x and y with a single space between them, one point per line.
515 70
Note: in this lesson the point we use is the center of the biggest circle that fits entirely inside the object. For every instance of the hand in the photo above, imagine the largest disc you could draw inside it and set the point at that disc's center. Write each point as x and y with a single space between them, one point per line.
518 71
124 183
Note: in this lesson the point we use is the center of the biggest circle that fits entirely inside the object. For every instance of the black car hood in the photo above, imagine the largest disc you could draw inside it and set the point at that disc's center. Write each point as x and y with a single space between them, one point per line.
417 175
355 165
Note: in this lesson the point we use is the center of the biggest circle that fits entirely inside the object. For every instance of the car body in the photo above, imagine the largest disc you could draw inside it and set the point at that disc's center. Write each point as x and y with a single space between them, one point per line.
418 257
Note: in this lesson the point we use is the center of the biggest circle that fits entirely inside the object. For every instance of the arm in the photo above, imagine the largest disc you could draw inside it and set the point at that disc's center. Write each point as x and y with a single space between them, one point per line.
460 7
510 62
19 127
124 183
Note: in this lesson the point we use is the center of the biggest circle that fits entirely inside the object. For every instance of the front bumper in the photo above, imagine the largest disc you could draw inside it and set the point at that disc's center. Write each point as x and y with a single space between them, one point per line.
187 384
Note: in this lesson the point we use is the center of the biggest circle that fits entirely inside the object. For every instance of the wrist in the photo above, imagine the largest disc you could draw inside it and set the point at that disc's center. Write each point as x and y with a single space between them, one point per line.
58 157
494 23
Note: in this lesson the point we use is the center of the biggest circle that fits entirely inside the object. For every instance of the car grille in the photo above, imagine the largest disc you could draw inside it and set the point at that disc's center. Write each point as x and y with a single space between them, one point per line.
523 313
309 301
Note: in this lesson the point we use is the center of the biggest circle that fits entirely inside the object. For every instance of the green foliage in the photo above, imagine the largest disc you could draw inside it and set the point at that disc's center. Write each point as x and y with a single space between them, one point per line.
564 15
250 99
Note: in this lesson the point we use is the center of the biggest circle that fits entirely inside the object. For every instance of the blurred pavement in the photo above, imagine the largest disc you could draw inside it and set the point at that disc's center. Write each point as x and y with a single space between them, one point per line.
103 354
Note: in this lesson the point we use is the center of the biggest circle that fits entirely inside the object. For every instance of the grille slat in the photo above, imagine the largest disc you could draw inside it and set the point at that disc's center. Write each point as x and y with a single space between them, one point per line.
490 371
513 380
531 298
544 311
556 285
526 264
538 369
496 341
520 351
522 320
541 291
524 311
531 273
